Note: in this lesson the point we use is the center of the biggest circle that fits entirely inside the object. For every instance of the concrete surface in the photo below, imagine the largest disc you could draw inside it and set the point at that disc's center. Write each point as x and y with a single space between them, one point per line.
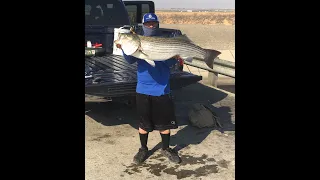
112 140
228 55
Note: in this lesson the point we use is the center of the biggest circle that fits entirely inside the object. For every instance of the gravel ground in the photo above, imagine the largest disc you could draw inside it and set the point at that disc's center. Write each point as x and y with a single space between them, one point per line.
112 140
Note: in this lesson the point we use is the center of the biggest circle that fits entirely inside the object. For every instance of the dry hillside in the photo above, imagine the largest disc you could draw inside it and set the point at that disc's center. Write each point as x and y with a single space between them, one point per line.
226 18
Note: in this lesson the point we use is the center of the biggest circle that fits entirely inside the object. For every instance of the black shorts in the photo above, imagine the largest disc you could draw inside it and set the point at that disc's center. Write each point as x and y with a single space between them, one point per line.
156 112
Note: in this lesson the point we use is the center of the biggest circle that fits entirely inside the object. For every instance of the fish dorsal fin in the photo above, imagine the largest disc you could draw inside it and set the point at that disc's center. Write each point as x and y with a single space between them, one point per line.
183 37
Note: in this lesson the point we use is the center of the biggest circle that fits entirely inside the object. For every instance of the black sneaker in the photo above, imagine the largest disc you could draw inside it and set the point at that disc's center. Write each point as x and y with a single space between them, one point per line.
141 155
171 154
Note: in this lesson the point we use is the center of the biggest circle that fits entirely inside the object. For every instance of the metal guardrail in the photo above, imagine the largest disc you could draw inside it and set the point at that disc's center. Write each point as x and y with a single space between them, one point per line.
225 63
220 66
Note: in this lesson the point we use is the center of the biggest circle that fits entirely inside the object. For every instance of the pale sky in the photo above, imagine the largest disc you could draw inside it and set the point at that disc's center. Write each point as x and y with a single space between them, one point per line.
215 4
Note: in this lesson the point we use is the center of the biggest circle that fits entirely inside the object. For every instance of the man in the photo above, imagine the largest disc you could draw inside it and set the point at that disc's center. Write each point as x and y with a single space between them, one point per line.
154 105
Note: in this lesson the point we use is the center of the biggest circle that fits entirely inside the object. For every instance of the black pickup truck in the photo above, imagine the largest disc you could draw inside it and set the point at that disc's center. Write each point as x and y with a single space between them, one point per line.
108 76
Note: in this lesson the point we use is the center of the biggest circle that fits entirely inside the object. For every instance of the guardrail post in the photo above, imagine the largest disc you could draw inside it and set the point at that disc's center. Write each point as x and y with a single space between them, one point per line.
213 79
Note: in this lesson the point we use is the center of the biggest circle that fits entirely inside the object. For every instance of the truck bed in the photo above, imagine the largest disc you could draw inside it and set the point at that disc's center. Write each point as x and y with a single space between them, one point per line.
111 76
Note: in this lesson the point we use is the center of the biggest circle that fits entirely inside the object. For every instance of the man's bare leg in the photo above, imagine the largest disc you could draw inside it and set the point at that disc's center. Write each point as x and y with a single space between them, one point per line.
141 131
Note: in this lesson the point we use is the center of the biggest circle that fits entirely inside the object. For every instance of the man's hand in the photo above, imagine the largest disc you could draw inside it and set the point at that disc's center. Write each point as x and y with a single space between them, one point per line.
177 57
118 46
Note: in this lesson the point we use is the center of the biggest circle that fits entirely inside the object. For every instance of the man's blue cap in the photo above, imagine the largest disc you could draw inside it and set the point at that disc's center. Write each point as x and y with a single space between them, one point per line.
150 17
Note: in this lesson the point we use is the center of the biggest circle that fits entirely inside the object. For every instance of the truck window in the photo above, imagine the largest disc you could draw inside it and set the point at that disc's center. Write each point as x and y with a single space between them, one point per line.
132 11
105 12
145 9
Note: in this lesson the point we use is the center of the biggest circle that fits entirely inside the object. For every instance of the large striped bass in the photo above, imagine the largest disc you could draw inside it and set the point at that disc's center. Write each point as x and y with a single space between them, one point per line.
153 49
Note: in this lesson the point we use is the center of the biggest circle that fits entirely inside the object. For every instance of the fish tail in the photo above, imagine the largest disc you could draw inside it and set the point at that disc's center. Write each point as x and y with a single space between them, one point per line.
210 56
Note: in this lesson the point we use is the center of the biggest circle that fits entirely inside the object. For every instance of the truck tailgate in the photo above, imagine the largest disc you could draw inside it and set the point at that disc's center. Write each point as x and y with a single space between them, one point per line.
112 76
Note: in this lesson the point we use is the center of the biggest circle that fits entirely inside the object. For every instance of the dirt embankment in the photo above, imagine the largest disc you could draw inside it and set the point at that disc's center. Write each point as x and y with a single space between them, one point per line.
225 18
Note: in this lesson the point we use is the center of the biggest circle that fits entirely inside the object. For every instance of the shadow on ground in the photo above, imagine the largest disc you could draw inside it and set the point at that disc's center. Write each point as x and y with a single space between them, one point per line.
116 113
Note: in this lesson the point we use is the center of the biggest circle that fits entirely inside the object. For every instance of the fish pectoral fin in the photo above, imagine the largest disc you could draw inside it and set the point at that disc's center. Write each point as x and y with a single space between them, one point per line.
150 62
143 52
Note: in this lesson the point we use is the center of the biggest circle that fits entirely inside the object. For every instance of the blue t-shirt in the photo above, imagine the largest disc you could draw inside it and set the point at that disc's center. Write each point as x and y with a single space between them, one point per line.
154 81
